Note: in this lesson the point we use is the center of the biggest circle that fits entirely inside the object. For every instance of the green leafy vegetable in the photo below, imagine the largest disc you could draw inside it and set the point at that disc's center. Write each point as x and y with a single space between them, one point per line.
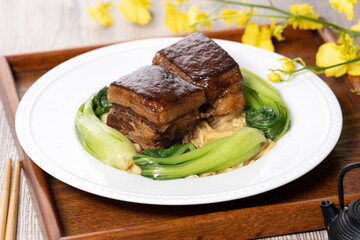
101 103
103 142
173 151
143 159
214 156
265 109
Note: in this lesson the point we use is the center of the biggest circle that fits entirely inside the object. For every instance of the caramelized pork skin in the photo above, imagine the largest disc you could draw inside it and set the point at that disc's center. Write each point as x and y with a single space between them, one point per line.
155 93
200 61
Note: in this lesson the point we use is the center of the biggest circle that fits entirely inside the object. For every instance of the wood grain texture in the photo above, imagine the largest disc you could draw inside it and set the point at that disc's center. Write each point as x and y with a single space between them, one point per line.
11 221
10 98
227 225
4 200
28 225
38 25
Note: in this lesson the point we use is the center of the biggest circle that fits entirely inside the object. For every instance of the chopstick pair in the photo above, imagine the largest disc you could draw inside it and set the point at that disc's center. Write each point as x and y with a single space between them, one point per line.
8 211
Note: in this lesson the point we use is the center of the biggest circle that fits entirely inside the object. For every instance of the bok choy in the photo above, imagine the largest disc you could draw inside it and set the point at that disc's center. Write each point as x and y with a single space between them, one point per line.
103 142
265 110
101 104
214 156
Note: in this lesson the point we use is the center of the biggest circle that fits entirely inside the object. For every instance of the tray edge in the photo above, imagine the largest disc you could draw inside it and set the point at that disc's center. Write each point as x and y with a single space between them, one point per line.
38 187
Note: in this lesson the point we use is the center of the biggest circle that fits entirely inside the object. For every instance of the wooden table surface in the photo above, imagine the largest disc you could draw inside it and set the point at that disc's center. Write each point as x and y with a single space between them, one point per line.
40 25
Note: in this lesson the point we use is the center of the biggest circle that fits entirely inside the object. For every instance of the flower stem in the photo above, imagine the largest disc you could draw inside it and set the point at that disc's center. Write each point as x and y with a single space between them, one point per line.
355 91
336 65
290 15
255 5
299 59
313 68
217 9
331 25
235 15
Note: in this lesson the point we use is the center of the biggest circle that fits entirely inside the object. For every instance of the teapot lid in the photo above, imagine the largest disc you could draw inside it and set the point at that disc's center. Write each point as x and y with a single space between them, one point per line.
354 209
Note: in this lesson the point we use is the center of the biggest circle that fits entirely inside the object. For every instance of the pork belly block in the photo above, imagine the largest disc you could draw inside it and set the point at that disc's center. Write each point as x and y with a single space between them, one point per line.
155 93
148 134
200 61
154 107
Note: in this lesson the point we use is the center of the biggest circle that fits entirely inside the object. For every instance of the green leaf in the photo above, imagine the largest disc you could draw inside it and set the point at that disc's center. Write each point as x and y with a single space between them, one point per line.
265 109
173 151
217 155
101 104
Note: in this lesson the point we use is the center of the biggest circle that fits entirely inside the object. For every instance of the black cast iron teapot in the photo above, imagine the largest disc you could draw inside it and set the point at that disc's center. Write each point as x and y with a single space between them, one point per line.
345 224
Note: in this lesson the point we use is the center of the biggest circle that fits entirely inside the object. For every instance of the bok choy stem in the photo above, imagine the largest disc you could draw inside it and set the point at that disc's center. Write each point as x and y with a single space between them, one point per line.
223 153
103 142
265 108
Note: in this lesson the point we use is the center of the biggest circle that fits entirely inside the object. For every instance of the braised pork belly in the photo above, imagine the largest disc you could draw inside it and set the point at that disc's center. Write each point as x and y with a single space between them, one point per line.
154 107
200 61
158 105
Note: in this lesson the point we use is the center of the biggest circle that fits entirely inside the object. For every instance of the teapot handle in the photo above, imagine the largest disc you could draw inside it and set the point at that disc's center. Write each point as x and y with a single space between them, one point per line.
340 181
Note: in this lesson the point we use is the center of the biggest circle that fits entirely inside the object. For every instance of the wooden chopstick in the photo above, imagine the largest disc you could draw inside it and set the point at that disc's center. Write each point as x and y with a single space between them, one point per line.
5 198
8 215
14 196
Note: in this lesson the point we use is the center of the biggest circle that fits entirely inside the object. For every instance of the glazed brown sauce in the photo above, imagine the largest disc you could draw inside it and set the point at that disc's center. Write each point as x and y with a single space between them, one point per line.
199 57
157 84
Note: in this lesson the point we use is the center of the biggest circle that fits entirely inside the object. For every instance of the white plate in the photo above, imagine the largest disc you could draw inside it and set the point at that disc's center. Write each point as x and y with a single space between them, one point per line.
46 115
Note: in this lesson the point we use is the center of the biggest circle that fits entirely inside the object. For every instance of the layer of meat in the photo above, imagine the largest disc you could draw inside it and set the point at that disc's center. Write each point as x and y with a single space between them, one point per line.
148 134
200 61
231 99
156 94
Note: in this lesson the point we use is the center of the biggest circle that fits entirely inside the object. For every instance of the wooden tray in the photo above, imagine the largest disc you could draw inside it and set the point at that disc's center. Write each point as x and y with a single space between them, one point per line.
69 213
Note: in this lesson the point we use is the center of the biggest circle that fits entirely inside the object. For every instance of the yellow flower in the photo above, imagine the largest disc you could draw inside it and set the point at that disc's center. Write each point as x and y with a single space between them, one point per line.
304 10
256 37
356 27
180 1
265 39
240 20
274 77
354 68
344 6
135 10
348 46
251 35
332 54
101 13
195 16
288 65
277 30
227 12
175 20
345 39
